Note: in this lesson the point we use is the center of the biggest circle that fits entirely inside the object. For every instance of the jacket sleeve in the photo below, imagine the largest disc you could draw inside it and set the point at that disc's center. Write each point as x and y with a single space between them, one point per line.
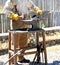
35 8
32 4
8 8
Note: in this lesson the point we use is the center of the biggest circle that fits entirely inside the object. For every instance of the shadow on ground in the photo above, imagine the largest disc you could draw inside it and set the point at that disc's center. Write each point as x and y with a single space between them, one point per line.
3 52
54 63
31 63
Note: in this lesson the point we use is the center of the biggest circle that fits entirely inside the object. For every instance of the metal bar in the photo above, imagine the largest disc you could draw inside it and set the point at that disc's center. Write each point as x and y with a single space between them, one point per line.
52 28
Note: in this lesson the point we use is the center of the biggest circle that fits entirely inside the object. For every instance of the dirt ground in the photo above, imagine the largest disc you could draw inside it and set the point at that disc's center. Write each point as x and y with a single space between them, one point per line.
53 52
53 55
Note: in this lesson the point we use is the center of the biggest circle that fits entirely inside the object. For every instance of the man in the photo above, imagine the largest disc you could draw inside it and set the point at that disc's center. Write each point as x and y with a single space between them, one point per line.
18 10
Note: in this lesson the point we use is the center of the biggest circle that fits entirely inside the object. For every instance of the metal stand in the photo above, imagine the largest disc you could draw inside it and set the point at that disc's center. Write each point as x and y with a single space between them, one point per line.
38 60
38 48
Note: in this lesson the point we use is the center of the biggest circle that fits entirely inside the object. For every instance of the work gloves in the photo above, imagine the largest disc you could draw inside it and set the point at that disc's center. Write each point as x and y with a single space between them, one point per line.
15 17
38 11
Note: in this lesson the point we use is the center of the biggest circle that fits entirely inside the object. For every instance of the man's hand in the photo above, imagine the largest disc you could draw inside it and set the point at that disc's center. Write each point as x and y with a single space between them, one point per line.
15 17
38 11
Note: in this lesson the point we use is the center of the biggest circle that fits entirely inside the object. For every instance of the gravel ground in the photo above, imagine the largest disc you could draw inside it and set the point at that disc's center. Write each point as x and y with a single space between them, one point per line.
53 55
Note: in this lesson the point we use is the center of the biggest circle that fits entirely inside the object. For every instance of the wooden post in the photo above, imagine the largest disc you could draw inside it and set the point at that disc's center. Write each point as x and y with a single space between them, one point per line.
14 42
9 37
44 46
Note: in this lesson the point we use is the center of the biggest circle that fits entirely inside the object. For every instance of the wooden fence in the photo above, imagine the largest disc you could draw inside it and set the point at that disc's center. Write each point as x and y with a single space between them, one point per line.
4 23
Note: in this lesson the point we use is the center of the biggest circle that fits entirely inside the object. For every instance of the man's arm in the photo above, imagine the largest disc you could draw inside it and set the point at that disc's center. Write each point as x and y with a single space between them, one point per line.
35 8
9 12
8 8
